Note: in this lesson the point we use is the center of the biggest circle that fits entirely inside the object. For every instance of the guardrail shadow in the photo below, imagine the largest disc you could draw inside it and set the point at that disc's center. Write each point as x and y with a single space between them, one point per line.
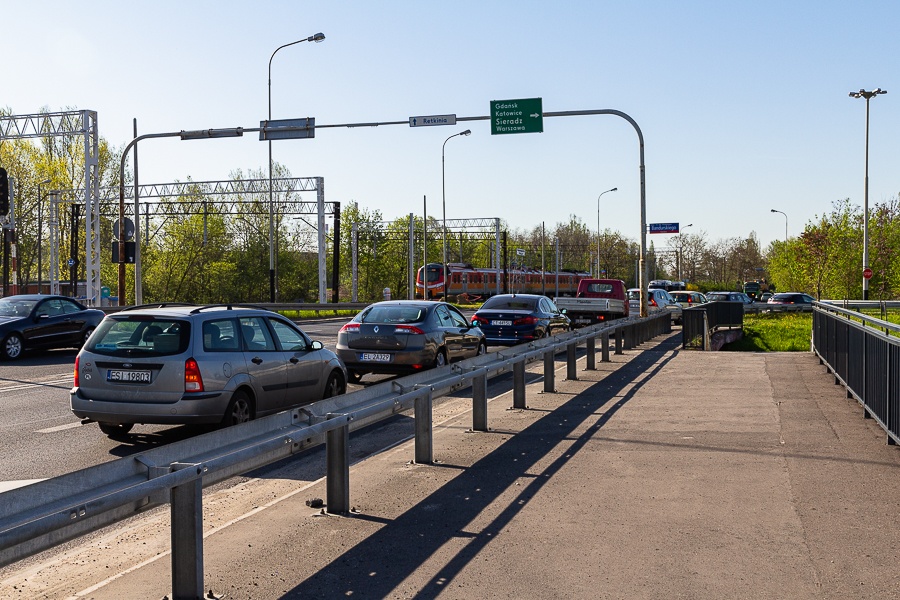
385 559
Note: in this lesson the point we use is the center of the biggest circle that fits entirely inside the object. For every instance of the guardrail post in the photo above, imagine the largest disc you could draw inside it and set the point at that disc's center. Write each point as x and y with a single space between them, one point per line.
628 336
549 371
187 537
604 347
337 469
591 354
479 403
519 385
619 335
571 373
424 442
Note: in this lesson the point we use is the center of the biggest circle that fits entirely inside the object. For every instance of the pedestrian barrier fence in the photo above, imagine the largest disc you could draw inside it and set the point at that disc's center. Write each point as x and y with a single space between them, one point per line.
863 353
698 323
42 515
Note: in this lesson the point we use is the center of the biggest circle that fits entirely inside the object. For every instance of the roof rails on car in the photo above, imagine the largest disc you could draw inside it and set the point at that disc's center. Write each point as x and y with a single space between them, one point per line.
158 305
228 306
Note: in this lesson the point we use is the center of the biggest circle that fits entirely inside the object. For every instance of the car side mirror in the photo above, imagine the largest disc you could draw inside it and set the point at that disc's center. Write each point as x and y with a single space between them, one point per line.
316 345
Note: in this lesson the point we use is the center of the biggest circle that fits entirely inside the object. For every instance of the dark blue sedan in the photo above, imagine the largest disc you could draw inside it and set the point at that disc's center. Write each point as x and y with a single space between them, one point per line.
39 321
510 319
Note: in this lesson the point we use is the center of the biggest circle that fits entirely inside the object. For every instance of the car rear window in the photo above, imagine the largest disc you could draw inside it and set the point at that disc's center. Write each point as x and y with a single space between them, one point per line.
136 336
393 314
511 303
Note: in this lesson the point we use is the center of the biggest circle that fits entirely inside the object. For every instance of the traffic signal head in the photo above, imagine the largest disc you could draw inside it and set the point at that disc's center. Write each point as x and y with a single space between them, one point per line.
4 193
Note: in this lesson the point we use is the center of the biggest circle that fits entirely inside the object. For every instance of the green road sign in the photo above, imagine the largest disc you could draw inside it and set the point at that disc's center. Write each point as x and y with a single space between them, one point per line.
517 116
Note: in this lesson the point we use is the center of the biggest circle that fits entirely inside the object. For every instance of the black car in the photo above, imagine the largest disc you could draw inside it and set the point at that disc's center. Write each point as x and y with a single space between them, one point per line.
509 319
38 321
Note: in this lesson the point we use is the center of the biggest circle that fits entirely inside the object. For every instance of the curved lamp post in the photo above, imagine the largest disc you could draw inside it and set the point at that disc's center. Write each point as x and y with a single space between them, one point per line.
681 249
40 233
868 96
598 227
313 38
785 222
444 200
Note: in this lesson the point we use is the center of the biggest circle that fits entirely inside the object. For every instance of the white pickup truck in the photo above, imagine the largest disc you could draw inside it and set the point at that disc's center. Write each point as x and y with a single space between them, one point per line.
596 301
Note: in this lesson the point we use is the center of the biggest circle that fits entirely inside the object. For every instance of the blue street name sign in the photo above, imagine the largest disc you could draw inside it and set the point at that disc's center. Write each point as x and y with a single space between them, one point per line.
663 227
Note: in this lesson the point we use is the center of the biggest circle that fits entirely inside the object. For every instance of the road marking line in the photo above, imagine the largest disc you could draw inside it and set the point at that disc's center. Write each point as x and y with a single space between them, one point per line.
59 428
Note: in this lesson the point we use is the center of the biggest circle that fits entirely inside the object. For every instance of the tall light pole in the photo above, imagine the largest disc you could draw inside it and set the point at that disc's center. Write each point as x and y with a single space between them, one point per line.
598 227
40 232
681 249
867 95
444 198
785 222
313 38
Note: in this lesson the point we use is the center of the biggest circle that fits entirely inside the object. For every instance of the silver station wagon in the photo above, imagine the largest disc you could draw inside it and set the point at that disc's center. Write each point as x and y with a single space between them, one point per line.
183 364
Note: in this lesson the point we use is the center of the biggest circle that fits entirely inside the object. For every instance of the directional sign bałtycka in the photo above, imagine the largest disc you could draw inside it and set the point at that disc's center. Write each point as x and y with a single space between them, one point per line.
517 116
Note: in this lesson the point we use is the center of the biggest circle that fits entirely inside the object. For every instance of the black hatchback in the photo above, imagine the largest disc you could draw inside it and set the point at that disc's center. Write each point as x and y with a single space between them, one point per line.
510 319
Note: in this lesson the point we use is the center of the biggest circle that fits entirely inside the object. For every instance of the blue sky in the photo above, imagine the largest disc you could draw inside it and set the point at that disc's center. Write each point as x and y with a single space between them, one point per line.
744 107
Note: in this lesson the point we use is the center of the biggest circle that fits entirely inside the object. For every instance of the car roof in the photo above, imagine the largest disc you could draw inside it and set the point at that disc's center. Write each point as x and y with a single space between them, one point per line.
178 309
36 297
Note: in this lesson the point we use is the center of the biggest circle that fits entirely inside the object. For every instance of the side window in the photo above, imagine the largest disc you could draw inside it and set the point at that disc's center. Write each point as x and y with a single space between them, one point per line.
443 315
220 335
288 338
51 308
69 307
458 319
256 334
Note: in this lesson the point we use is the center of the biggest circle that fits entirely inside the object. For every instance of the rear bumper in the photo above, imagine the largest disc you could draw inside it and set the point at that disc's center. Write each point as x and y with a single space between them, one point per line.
208 407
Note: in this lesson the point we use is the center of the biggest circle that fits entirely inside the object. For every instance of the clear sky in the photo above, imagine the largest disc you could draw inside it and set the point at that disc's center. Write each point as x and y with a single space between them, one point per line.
744 106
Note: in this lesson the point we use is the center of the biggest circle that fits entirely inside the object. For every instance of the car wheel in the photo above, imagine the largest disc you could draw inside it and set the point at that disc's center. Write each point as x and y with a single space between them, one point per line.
12 346
116 430
482 348
87 334
441 358
240 409
355 376
335 385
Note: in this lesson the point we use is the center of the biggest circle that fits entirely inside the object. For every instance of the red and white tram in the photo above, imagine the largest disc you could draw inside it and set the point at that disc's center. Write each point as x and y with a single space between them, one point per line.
466 280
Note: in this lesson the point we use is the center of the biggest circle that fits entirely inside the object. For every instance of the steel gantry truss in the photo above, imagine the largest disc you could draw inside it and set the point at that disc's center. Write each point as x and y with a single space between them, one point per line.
69 123
196 189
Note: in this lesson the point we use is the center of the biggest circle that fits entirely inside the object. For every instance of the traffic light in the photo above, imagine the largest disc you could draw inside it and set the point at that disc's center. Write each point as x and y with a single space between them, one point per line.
4 193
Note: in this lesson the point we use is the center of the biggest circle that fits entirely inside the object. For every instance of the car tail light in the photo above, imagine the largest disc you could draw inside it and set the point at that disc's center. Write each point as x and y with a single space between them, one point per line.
76 371
350 328
193 382
410 329
529 320
481 320
652 302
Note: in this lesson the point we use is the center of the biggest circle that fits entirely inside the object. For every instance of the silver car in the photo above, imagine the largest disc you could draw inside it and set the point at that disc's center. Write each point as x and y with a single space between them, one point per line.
405 336
657 300
198 364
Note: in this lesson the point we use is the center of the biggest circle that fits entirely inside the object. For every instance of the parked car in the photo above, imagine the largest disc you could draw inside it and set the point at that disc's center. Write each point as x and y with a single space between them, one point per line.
688 299
657 299
510 319
796 299
199 364
764 297
729 297
405 336
32 321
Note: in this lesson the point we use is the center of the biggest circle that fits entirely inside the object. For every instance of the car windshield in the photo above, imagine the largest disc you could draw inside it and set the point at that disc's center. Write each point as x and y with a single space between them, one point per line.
634 294
16 308
511 303
393 314
136 336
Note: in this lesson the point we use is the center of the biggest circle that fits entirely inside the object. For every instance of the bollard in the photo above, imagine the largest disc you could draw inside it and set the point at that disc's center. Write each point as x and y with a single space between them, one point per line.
549 372
571 373
604 345
519 385
337 470
424 441
386 292
479 403
591 352
187 537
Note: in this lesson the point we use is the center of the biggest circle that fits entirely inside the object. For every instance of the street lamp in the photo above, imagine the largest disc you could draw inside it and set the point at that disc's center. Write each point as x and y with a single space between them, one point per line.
598 228
681 249
785 222
444 198
313 38
867 95
40 232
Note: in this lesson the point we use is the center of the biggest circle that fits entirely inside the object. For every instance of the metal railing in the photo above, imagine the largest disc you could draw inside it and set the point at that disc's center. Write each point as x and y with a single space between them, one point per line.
42 515
863 356
698 323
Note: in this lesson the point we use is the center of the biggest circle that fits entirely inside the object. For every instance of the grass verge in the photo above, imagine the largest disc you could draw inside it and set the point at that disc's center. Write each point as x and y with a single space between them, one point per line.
774 332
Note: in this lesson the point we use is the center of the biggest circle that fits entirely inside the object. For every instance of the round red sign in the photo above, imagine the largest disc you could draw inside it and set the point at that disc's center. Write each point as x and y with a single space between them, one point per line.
867 273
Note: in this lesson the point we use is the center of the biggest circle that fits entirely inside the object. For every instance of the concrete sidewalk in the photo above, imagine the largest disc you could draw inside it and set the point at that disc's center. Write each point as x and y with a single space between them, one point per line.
663 474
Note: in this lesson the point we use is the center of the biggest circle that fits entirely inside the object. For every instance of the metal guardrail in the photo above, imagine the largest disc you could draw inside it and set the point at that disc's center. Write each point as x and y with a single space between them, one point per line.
865 358
699 323
42 515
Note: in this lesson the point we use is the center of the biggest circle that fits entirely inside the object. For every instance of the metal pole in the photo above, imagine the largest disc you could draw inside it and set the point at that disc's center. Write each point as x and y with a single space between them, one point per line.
444 203
40 233
598 228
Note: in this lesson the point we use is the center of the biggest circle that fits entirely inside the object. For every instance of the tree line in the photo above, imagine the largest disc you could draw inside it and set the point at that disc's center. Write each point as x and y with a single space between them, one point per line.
222 254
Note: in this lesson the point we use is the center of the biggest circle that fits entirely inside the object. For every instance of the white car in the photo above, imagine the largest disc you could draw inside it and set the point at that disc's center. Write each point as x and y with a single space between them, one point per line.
657 300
